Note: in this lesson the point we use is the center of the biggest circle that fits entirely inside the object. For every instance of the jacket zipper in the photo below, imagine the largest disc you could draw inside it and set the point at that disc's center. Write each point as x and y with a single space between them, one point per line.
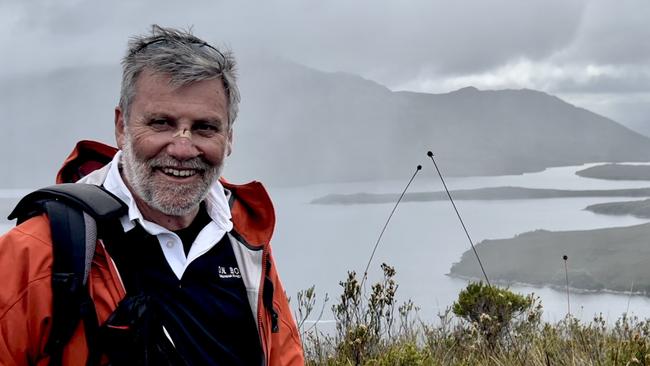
260 309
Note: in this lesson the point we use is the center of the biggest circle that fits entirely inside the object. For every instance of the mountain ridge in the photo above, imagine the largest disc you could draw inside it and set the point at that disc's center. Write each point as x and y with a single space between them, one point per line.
299 126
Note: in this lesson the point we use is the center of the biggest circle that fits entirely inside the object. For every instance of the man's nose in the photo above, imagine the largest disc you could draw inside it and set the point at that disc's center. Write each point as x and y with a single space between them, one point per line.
183 148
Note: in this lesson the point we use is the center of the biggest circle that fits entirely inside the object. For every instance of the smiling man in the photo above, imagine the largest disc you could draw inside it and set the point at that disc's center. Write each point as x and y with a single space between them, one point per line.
174 145
186 277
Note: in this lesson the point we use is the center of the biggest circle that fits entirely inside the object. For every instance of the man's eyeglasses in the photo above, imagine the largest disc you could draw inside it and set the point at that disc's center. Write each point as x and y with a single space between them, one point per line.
163 39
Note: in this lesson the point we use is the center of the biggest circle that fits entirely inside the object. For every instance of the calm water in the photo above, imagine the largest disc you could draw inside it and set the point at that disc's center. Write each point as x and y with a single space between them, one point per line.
318 244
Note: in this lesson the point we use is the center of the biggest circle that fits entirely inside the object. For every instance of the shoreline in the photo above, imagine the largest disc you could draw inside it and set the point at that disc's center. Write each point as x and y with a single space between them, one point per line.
600 260
551 286
617 171
478 194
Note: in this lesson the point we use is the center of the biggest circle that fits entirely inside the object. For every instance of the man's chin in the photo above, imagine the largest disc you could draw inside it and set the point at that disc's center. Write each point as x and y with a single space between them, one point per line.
177 202
175 210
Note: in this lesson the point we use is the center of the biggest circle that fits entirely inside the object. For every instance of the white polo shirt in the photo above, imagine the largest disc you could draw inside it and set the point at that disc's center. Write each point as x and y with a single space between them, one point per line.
171 245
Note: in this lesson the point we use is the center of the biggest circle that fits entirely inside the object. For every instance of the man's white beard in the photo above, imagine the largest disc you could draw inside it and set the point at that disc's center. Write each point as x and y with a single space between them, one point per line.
170 199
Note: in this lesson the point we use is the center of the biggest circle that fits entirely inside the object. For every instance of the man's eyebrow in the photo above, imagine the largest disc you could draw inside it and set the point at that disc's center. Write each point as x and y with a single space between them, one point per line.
157 115
214 120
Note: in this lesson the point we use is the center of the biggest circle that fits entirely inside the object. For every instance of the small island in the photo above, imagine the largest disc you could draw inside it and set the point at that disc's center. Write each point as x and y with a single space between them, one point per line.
617 172
491 193
615 259
640 209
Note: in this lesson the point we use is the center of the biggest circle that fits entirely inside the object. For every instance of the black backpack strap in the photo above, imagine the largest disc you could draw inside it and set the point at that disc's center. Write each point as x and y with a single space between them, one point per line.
94 200
68 273
74 210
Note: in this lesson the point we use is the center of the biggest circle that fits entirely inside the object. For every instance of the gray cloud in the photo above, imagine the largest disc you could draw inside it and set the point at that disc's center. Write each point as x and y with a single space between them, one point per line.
622 80
435 46
394 42
391 41
613 32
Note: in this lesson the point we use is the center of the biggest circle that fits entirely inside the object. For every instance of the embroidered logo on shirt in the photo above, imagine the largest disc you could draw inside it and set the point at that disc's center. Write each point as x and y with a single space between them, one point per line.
228 272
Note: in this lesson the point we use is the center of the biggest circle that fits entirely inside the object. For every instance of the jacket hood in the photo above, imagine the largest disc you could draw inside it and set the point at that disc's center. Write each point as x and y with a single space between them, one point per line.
252 211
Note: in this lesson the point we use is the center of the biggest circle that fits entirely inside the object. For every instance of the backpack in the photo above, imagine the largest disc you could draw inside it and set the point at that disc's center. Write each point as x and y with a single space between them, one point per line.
75 212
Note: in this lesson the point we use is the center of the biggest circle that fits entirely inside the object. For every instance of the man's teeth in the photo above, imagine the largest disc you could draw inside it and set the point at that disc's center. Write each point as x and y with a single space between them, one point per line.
179 173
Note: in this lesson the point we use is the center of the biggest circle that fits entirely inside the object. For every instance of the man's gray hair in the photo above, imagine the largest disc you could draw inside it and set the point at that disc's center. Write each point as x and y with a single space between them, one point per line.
184 57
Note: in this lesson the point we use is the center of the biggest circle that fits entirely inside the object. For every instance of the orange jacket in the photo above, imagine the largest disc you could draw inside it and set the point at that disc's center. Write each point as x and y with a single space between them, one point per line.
26 266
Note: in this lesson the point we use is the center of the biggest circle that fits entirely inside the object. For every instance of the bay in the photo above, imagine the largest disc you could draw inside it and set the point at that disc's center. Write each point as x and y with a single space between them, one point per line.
318 244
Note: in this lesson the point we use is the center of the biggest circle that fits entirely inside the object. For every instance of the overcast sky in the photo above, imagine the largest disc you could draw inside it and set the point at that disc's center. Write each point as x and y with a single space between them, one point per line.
595 54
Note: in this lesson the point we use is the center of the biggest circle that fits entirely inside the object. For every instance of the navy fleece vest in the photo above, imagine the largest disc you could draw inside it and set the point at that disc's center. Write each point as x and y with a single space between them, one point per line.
206 312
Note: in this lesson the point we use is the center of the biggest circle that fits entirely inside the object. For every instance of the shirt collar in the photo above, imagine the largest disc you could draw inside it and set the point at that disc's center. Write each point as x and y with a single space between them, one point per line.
216 202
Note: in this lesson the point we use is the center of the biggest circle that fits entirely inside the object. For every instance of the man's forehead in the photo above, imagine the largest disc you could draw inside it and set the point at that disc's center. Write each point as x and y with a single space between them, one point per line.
156 96
159 79
157 84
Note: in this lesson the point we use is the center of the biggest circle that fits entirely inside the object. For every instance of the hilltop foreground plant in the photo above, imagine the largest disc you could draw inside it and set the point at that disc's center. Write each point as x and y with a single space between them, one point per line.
496 311
486 326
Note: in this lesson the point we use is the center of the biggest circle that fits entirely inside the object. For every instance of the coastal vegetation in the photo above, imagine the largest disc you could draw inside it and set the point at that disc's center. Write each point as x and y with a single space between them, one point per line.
617 172
601 259
489 193
640 209
487 325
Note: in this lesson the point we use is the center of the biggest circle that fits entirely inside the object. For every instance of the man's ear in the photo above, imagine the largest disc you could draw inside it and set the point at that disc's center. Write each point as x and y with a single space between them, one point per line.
229 142
119 128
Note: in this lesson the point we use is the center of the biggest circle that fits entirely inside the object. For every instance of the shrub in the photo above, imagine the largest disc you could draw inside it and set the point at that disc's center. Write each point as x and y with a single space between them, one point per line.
362 324
492 309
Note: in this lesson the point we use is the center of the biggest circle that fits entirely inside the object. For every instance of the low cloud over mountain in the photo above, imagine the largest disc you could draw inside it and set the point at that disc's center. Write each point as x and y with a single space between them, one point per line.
298 126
